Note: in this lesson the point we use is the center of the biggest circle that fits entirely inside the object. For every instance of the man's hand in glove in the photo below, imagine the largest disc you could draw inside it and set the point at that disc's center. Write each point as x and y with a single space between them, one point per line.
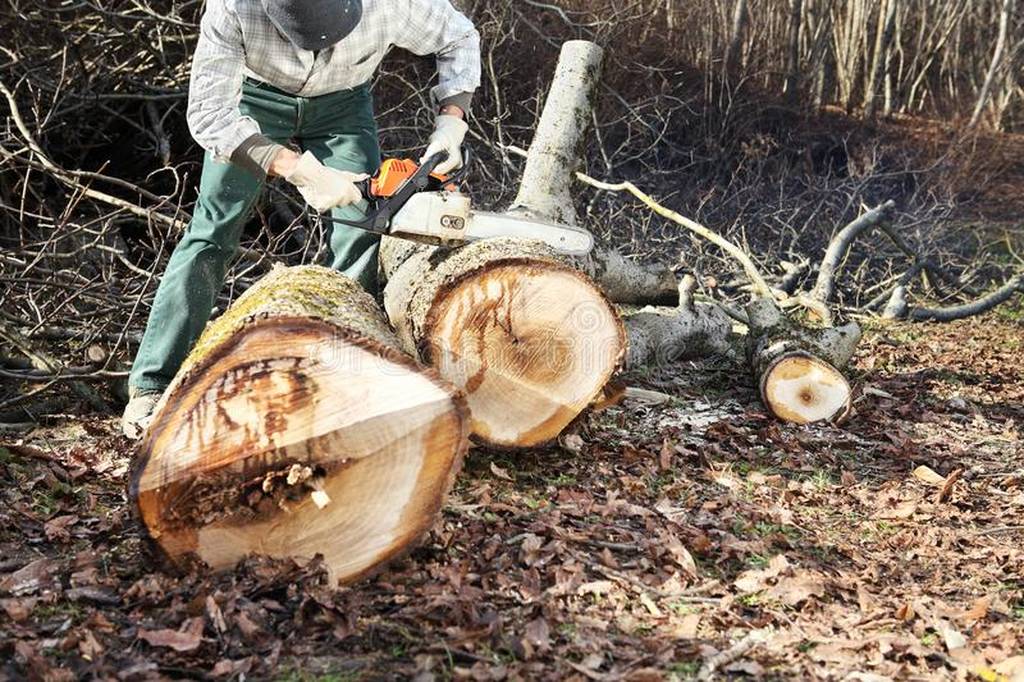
449 131
323 188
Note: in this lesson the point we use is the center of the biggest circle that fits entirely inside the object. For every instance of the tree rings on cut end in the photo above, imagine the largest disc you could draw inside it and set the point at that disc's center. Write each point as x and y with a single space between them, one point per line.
800 388
295 437
530 343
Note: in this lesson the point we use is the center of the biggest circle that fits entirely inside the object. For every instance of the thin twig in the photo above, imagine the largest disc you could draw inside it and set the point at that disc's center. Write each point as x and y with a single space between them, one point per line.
761 288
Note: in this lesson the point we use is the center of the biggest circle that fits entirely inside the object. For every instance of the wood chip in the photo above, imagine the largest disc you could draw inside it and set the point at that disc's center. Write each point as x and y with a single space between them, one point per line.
646 396
320 498
928 475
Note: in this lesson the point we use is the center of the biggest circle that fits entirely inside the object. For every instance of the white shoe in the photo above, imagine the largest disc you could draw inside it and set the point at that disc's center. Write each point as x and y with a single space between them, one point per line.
138 413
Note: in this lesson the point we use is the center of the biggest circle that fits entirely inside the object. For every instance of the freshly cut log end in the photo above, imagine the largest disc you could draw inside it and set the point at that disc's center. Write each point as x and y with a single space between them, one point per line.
797 367
293 436
802 389
529 340
530 344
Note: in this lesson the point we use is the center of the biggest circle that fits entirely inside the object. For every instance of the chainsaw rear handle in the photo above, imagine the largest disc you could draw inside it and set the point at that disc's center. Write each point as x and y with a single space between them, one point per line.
382 209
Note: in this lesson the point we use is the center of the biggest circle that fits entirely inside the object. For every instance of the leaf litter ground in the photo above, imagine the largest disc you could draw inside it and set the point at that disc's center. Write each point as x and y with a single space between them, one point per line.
692 538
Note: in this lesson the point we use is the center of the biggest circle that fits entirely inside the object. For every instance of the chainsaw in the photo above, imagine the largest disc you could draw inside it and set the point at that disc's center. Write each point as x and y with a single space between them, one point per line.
411 201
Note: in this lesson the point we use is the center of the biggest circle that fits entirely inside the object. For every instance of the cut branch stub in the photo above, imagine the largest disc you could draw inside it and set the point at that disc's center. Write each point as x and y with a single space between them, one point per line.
797 369
530 340
297 428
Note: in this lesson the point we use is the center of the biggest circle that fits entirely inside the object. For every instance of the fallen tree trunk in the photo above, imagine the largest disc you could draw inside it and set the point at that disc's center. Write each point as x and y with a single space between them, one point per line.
296 427
530 340
555 153
528 337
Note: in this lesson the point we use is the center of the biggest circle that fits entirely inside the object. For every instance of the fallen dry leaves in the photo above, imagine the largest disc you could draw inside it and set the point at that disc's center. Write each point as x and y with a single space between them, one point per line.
188 638
657 541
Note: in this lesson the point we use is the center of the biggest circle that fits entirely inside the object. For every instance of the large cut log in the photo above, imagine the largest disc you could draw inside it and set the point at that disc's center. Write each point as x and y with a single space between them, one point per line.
530 340
297 427
797 368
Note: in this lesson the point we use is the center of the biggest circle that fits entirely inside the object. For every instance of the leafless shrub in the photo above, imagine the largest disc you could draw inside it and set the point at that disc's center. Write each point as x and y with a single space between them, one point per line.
98 173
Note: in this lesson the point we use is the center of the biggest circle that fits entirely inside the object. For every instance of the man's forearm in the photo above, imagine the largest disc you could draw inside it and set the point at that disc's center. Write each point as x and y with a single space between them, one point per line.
458 104
263 156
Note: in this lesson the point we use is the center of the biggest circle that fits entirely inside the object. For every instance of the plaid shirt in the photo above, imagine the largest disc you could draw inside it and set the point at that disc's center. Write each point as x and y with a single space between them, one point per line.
237 39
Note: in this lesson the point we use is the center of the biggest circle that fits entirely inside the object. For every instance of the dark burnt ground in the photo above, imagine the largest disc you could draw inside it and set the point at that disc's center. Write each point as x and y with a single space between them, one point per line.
653 538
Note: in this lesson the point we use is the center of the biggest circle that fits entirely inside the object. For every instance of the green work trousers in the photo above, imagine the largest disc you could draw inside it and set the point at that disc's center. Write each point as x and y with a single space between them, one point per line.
339 129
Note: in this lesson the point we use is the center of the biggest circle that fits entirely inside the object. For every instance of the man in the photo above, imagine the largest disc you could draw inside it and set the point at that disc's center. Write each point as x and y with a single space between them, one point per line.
267 72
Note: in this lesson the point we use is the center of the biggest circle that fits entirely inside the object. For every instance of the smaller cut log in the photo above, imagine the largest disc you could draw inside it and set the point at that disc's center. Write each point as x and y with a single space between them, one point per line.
295 428
797 369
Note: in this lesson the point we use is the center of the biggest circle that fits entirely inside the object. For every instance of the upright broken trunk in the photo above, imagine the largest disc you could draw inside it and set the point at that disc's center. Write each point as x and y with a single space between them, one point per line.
530 340
296 427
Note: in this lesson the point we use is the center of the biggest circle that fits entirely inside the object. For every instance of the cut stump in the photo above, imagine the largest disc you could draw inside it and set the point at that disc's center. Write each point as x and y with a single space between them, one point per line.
296 428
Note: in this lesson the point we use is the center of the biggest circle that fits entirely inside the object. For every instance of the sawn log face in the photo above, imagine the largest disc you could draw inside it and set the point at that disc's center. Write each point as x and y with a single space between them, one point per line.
797 367
528 338
291 435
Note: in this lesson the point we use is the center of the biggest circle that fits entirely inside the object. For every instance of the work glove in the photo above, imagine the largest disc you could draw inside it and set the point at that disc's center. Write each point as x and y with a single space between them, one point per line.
449 131
324 188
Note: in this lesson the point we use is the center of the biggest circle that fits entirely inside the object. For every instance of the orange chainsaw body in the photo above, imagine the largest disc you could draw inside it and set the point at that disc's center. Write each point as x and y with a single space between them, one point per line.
393 172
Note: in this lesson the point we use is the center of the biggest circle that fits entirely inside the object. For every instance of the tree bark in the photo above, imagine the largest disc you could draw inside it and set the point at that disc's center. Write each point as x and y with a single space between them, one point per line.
296 427
738 28
793 51
528 338
883 38
661 335
626 281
